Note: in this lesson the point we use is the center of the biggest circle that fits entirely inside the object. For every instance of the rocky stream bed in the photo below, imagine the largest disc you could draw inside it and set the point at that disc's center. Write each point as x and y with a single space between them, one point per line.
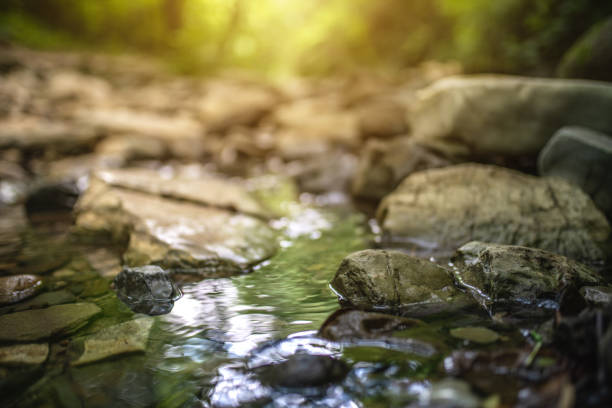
419 240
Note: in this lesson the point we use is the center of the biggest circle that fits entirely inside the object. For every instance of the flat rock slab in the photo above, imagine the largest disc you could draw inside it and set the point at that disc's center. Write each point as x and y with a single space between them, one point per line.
208 191
395 282
501 274
146 289
582 157
46 299
350 325
24 354
177 235
128 337
437 211
33 133
54 321
481 116
16 288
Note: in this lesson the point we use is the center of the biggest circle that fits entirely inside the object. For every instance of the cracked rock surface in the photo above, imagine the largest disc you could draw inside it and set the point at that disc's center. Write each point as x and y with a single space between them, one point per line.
436 211
509 273
393 281
176 234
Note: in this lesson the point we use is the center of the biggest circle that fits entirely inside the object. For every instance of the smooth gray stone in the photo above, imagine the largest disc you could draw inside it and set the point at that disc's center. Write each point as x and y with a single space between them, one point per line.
582 157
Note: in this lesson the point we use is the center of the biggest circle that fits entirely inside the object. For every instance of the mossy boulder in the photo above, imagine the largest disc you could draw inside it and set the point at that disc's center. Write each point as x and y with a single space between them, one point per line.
394 282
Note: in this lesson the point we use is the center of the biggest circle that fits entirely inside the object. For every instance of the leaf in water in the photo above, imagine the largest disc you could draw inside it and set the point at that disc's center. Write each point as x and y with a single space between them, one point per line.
480 335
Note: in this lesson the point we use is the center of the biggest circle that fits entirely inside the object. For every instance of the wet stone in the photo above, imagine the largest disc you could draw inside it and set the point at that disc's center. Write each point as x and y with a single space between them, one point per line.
598 296
54 321
146 289
367 329
196 239
128 337
393 281
505 274
437 211
24 354
43 300
303 370
455 393
16 288
347 325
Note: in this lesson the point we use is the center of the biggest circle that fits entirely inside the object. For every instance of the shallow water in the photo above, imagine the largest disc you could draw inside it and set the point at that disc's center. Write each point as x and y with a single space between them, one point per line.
203 353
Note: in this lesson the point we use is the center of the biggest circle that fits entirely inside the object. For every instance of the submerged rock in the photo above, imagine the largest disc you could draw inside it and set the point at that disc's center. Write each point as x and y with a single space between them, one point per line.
179 235
396 282
18 287
54 321
303 370
453 393
582 157
383 164
506 274
146 289
24 354
438 210
478 117
128 337
46 299
347 325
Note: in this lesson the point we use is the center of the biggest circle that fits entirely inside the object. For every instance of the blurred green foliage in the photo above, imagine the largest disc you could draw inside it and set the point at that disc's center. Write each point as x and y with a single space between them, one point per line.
314 36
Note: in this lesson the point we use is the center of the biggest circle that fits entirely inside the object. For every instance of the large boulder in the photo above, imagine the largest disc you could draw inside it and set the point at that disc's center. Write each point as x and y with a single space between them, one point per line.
485 117
591 55
437 211
396 282
176 234
383 164
509 274
583 157
146 289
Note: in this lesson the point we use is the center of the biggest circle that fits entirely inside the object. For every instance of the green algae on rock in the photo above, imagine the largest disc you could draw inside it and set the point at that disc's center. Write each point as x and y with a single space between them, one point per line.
24 354
436 211
393 281
127 337
54 321
501 274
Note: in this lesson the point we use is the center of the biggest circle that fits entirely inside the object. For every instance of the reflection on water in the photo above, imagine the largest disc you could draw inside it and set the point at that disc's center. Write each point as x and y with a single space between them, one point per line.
220 328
